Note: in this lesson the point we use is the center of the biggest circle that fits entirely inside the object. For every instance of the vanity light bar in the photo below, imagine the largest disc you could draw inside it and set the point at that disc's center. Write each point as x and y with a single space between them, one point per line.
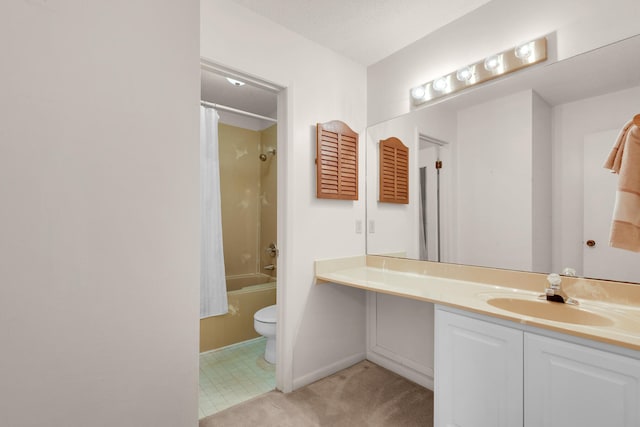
491 67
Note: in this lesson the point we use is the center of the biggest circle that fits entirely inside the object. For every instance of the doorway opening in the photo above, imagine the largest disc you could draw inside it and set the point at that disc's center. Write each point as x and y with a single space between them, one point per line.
430 162
599 259
233 363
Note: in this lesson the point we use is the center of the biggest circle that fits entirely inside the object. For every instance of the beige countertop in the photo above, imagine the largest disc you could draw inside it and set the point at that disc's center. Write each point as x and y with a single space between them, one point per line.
607 312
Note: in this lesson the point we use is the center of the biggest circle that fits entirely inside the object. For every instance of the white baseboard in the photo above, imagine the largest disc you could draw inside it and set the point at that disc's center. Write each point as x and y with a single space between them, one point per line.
412 374
327 370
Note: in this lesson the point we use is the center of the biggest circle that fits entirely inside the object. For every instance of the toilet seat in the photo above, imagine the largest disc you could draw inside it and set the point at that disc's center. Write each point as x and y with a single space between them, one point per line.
267 315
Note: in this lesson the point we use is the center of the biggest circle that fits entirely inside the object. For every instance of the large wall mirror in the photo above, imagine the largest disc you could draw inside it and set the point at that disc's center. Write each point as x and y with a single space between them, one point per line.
521 184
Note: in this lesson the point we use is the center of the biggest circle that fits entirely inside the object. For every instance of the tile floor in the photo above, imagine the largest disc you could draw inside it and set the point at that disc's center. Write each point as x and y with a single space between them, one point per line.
233 374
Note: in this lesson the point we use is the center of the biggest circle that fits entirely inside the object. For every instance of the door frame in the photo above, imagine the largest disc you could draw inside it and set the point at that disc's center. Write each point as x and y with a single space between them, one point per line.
284 342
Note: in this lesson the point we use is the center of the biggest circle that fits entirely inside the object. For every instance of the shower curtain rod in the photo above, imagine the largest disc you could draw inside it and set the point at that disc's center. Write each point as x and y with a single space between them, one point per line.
235 110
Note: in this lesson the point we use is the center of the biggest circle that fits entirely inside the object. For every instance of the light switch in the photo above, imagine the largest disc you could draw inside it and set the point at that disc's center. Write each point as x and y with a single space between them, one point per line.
358 226
372 226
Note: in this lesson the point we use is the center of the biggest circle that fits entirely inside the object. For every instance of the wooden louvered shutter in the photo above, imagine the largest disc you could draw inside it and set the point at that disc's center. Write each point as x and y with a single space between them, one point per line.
337 161
394 171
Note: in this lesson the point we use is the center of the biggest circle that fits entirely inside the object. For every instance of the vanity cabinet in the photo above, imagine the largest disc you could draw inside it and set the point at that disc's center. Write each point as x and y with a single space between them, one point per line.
478 373
490 374
567 384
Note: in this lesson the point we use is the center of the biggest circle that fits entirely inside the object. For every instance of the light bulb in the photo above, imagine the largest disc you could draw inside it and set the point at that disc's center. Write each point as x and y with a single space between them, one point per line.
524 50
418 92
464 74
491 63
440 84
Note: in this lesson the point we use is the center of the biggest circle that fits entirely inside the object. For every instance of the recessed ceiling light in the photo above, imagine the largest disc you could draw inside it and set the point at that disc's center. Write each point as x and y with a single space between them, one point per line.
235 82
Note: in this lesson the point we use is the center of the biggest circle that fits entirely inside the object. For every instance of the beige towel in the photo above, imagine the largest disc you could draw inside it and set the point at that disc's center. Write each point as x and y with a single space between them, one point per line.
624 159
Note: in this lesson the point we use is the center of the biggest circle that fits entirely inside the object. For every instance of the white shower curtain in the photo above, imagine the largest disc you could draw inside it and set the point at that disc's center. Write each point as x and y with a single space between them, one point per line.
213 288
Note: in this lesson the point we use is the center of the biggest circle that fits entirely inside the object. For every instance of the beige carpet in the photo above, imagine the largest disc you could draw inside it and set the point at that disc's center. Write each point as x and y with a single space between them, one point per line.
362 395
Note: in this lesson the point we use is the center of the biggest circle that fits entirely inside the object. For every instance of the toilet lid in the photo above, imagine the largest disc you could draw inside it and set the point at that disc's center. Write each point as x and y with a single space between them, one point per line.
267 314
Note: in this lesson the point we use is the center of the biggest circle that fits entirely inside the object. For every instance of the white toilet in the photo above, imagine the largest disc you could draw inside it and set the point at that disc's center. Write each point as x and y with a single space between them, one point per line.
264 322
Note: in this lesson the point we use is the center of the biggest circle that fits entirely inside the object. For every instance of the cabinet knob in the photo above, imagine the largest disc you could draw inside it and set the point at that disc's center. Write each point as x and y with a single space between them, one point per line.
591 243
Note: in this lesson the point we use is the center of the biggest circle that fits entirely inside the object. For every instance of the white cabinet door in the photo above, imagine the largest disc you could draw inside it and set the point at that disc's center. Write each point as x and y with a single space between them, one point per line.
478 373
569 385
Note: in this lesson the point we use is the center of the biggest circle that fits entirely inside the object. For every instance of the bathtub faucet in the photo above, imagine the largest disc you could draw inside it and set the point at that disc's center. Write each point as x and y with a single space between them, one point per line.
272 250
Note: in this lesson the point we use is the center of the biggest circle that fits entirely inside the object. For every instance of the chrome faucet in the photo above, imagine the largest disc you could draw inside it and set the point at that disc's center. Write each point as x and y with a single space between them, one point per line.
554 291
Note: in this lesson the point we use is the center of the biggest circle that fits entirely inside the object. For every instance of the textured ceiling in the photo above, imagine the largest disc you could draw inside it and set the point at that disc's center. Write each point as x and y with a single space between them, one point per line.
364 30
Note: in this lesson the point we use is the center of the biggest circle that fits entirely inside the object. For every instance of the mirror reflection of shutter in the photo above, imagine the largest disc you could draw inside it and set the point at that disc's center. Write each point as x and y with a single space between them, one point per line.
394 171
336 161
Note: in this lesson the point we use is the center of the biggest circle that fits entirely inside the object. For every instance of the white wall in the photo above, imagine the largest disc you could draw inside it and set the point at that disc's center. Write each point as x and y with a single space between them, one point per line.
400 331
581 25
100 213
541 174
397 227
323 325
571 122
494 183
392 228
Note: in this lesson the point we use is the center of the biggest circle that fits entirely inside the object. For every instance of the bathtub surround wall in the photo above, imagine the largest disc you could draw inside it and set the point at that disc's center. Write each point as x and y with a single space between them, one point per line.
99 225
324 327
249 226
268 198
239 177
248 187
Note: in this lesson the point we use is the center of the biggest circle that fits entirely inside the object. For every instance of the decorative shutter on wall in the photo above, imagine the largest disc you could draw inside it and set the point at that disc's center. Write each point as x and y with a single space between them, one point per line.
394 171
336 161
